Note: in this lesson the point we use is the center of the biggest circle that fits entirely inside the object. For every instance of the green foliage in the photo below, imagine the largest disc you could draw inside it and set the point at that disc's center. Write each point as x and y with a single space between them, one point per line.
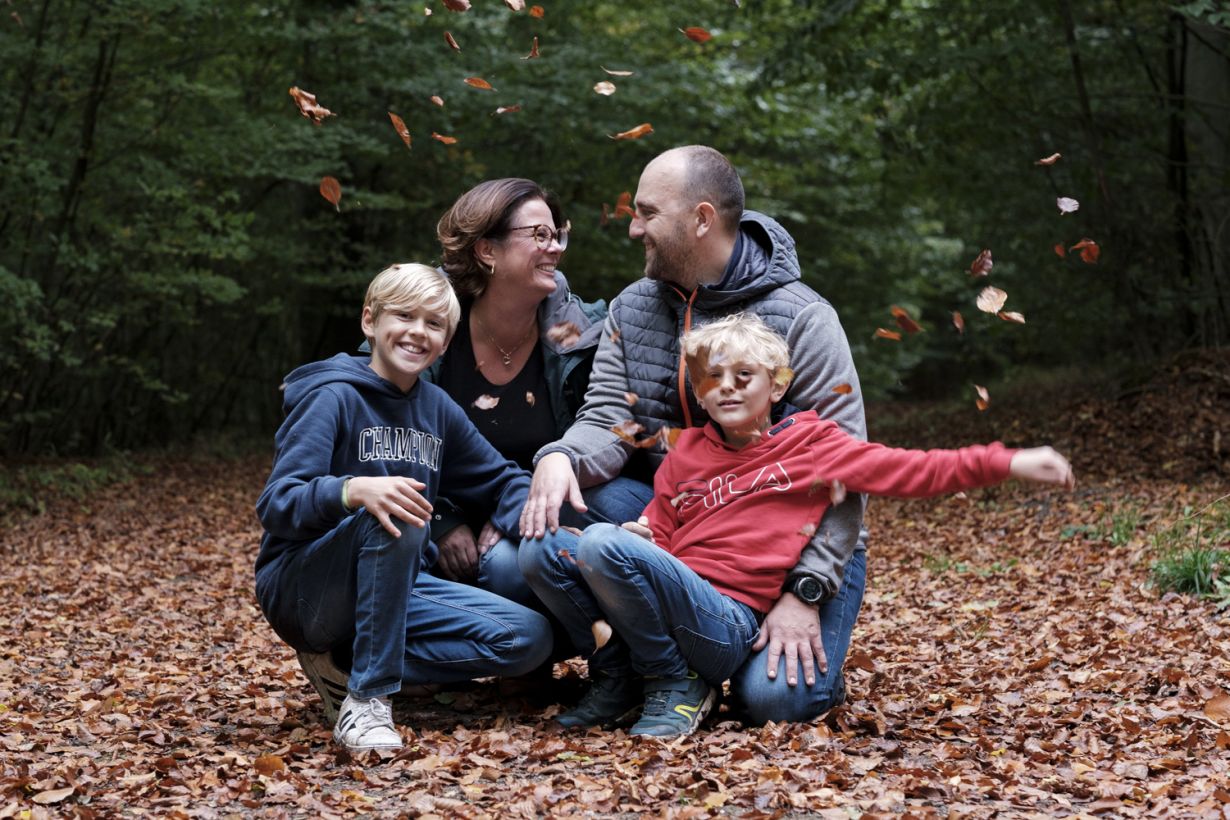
24 490
1194 554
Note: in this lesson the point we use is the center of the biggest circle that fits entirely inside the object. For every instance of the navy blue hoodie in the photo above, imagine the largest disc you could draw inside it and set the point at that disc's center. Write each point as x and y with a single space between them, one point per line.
343 420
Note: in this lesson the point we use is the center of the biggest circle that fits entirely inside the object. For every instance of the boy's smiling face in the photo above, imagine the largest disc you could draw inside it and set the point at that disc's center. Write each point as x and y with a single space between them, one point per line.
405 341
738 396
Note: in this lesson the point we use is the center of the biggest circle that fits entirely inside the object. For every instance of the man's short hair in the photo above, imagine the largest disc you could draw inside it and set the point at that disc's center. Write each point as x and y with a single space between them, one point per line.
738 337
709 177
411 285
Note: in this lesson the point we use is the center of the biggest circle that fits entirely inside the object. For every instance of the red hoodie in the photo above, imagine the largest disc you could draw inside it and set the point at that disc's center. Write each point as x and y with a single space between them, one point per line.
740 518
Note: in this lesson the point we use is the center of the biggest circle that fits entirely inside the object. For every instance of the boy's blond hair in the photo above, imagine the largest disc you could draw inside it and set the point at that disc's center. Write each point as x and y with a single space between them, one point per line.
411 285
738 337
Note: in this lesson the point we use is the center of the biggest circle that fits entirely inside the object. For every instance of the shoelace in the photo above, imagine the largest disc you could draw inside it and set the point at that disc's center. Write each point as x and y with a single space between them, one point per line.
376 715
655 703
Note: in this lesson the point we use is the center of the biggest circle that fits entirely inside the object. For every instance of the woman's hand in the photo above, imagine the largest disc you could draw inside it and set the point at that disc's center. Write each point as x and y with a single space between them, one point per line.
389 497
553 482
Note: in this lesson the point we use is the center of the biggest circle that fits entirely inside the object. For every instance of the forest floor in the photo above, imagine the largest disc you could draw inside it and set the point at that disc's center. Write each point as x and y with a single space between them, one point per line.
1011 658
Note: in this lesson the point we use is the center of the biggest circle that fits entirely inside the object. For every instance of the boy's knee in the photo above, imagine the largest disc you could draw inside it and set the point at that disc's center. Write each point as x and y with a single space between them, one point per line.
534 556
599 545
531 644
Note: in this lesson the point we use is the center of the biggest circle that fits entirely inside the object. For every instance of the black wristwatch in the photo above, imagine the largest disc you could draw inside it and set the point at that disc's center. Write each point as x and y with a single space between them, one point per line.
807 589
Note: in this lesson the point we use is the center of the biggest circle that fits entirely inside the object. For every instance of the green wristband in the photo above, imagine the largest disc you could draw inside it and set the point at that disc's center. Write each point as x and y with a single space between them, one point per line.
346 496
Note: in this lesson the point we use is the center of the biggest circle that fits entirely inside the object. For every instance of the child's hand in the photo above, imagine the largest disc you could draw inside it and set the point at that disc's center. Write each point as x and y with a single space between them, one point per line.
639 527
389 497
1042 464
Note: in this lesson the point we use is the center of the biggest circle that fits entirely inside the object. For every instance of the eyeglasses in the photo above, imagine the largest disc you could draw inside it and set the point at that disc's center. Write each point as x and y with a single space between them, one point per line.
544 235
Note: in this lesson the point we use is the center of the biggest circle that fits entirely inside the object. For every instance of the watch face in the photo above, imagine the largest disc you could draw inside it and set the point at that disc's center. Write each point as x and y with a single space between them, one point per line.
808 590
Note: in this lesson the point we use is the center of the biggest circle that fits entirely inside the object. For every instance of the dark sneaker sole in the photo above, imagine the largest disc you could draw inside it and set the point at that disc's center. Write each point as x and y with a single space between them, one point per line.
332 690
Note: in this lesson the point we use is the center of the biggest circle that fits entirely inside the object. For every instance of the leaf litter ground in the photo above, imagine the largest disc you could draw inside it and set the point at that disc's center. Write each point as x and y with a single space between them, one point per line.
1010 659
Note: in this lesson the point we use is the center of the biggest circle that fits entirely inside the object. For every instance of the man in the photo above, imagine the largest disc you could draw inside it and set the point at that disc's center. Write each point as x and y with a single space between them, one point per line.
705 258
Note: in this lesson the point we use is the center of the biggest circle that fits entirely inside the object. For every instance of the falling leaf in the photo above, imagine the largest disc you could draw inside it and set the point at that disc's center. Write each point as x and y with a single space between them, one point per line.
533 50
564 334
981 266
1089 250
437 100
1011 316
634 133
885 333
668 436
601 631
615 336
478 82
506 109
984 398
529 398
627 430
623 207
452 43
51 796
616 72
782 376
399 125
537 11
807 530
485 402
1067 204
1051 160
844 389
268 764
991 300
331 190
903 320
958 321
696 34
837 491
444 139
631 398
426 11
604 88
308 107
456 5
515 5
1060 250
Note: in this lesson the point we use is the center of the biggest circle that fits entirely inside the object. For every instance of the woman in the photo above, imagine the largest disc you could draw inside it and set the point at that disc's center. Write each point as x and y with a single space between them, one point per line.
519 362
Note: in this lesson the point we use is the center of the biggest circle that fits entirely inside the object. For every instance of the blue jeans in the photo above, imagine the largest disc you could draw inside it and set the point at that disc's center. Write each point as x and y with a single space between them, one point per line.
665 617
764 699
360 589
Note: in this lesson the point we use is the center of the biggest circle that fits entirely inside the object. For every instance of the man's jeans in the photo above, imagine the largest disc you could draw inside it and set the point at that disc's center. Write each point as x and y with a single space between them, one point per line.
360 589
665 617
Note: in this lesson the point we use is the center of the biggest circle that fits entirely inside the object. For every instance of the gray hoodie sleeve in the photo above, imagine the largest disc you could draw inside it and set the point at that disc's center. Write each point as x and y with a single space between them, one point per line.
820 358
598 454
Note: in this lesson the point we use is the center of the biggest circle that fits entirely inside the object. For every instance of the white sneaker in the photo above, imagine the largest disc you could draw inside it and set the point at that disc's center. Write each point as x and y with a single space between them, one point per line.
366 724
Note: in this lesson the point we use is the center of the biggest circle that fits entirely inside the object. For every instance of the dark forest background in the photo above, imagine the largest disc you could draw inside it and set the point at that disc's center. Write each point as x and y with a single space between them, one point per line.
166 257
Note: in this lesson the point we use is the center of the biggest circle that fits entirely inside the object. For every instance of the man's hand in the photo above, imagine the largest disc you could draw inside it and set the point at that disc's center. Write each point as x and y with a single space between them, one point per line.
458 555
639 527
553 482
389 497
793 628
1044 465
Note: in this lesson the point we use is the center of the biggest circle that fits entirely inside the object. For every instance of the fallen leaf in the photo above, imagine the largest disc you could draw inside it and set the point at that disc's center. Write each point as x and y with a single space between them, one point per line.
515 5
958 321
478 82
616 72
506 109
452 42
268 764
456 5
564 334
634 133
529 398
696 34
308 107
1218 709
1011 316
437 100
604 88
485 402
1060 250
1089 250
331 190
984 398
885 333
844 389
537 11
444 139
1067 204
981 266
52 796
991 300
1051 160
903 320
399 125
533 50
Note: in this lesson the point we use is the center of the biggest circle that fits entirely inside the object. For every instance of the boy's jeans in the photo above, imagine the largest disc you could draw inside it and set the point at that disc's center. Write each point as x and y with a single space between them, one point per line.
360 588
666 618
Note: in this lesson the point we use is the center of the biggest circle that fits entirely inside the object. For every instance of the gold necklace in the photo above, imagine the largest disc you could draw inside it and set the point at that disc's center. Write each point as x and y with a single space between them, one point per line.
506 355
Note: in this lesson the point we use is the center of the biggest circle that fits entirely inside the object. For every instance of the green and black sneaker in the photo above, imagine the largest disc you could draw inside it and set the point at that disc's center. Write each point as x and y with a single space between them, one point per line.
609 701
674 707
